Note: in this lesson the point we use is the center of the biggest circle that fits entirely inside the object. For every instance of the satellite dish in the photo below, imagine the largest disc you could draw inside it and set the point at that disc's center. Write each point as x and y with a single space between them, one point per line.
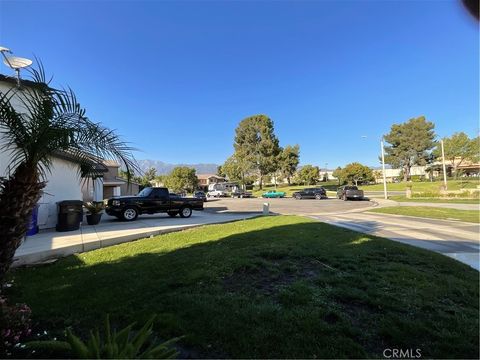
16 62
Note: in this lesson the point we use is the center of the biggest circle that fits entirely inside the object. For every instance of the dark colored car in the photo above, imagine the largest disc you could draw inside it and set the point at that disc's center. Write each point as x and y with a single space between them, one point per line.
200 195
349 192
241 194
151 201
311 193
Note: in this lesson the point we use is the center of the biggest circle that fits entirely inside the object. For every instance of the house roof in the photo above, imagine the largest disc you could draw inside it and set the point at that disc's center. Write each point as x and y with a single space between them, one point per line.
111 163
12 80
208 176
97 165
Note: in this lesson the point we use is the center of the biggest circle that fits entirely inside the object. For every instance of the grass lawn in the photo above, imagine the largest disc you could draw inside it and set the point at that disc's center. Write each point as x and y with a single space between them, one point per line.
432 212
279 286
435 200
425 186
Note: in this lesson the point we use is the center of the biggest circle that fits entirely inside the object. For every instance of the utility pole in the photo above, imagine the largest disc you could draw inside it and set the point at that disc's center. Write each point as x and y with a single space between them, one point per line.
383 170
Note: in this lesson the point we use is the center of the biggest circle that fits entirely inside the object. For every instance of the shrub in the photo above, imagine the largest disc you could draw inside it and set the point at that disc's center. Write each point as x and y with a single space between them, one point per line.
426 194
417 178
94 207
14 325
123 344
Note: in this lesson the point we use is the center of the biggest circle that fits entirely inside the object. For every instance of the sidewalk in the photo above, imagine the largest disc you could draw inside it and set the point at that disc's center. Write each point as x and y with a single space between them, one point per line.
51 244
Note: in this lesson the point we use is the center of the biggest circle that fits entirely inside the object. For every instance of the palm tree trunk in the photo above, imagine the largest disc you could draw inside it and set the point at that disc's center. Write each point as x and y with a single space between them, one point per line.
18 196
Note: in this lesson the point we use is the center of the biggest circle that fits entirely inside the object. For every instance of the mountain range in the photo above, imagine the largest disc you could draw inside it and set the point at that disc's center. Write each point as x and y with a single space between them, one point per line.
165 168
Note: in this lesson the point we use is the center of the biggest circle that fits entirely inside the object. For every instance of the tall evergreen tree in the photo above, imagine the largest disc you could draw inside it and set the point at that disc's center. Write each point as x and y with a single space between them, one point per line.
410 144
256 145
289 159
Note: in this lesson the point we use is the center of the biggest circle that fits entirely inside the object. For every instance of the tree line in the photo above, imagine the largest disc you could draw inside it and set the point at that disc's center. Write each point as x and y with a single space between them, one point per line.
258 154
415 143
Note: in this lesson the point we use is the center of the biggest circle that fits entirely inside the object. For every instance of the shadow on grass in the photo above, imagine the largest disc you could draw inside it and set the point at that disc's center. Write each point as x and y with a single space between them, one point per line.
304 290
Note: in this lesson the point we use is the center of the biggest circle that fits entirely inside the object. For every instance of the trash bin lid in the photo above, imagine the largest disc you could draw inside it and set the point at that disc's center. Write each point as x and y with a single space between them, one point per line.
70 203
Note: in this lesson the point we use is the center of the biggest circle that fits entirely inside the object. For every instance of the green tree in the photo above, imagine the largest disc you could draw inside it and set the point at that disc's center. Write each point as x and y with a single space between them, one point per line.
182 178
309 175
220 171
150 174
232 169
458 148
410 144
356 172
256 145
338 173
48 121
288 161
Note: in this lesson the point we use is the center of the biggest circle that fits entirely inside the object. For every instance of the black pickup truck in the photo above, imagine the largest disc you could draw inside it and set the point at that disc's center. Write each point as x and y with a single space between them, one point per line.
151 201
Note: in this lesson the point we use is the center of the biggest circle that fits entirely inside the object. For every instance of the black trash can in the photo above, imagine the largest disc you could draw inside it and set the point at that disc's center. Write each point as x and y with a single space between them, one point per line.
70 214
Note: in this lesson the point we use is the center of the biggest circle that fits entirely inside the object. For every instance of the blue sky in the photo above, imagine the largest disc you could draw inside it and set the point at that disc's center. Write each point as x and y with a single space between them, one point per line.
175 78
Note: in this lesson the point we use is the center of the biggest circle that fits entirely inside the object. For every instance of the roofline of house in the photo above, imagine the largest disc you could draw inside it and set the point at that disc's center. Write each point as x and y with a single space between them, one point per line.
23 82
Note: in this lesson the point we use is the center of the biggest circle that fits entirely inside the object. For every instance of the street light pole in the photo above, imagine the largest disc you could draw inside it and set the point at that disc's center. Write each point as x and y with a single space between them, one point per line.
383 169
443 165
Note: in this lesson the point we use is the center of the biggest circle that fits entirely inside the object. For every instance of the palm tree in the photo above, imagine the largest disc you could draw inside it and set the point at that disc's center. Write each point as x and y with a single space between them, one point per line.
45 121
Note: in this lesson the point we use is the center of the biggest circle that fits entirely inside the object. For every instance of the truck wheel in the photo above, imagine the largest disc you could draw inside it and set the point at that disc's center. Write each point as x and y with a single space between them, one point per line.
186 212
172 213
129 214
318 197
298 197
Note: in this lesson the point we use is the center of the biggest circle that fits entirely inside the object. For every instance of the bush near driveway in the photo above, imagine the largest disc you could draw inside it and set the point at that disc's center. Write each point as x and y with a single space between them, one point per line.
280 286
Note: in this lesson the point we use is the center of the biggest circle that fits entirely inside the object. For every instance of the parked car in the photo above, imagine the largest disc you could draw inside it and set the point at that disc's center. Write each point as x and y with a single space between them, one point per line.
216 193
241 194
200 195
273 194
151 201
311 193
349 192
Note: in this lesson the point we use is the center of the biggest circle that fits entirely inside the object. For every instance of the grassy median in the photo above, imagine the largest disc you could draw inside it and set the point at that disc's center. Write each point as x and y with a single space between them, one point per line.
279 286
403 198
432 213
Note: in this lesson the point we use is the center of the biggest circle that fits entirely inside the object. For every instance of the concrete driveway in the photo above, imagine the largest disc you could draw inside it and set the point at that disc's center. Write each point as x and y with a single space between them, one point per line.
50 244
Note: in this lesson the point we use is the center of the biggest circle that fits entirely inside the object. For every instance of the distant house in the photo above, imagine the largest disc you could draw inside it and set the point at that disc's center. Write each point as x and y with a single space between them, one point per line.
108 185
204 180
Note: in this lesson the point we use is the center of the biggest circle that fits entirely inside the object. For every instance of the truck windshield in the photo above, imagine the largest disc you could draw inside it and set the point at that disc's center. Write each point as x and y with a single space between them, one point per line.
145 192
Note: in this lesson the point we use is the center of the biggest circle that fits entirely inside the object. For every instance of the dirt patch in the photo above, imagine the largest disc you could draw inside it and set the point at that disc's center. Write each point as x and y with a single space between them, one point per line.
268 278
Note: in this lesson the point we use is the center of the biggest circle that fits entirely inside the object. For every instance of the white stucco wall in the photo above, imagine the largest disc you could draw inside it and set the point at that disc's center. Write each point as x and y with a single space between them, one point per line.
63 183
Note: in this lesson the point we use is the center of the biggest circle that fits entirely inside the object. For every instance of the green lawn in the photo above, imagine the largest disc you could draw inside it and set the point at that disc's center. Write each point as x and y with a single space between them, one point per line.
432 212
425 186
280 286
435 200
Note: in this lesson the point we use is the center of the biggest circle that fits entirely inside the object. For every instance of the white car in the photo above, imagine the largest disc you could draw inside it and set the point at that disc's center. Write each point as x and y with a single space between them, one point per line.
216 193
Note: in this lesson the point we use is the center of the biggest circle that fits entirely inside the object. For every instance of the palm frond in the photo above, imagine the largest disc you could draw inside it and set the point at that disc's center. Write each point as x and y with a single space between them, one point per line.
51 121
